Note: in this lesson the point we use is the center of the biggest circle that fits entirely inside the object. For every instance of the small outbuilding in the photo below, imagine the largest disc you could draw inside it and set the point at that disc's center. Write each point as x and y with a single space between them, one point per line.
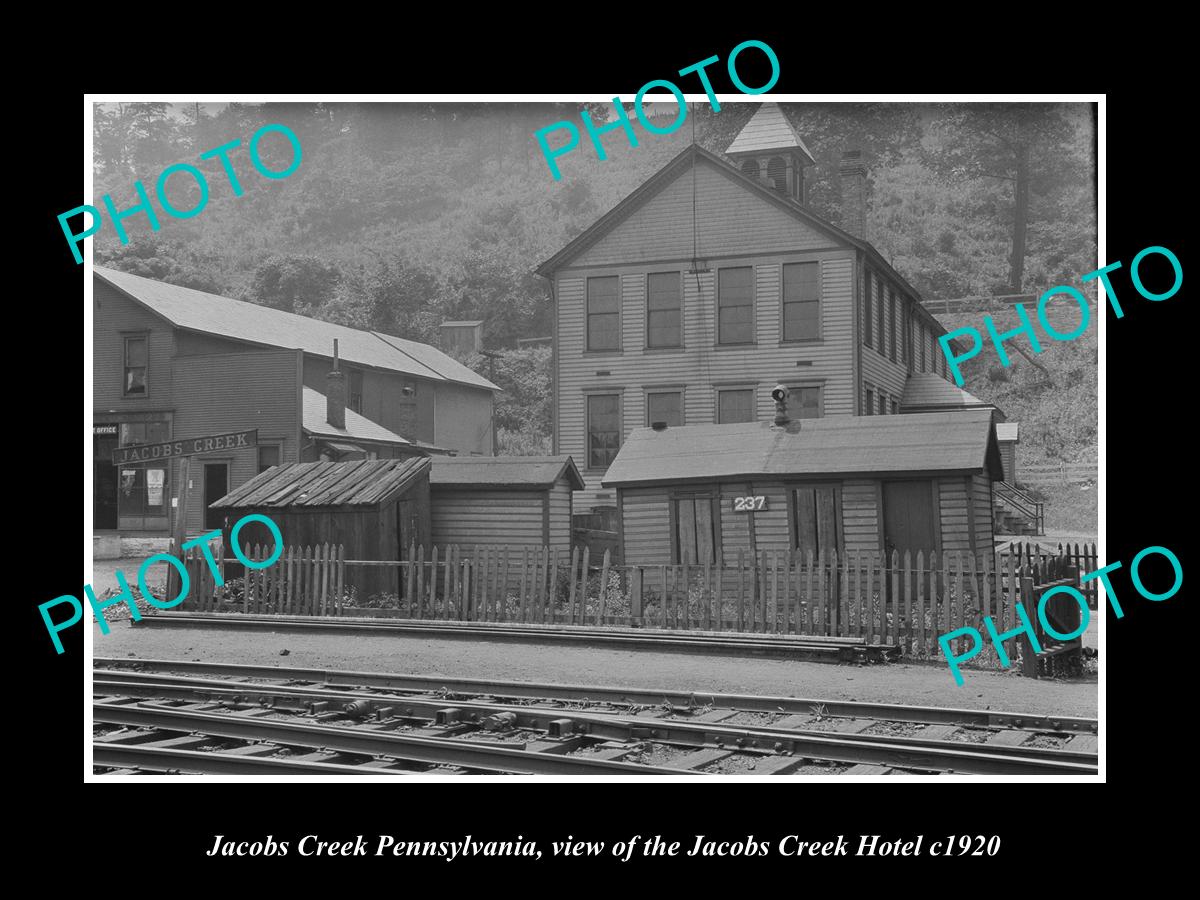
376 509
919 482
503 500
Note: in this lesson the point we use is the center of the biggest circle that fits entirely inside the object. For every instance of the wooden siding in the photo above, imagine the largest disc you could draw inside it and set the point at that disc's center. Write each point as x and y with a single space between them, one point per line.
384 401
730 219
953 502
1008 460
462 419
230 392
735 527
560 516
646 527
700 367
860 515
114 314
982 487
472 518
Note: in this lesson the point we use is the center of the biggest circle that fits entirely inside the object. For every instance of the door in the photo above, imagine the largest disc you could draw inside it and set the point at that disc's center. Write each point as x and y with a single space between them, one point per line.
908 522
104 484
216 486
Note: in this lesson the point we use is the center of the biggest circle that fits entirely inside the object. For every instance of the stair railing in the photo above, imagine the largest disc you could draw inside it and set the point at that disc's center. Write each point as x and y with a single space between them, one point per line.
1012 496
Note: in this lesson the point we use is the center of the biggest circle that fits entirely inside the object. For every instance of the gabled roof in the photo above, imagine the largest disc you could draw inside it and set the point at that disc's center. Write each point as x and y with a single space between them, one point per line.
358 427
504 471
768 129
358 483
926 392
660 179
236 319
958 442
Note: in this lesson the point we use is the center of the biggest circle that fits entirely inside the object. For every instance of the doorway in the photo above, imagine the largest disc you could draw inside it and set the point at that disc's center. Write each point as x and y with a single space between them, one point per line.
104 482
908 518
216 486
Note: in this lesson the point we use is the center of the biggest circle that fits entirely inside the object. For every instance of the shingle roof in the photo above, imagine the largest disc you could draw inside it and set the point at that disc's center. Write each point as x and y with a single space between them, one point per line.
316 411
239 320
926 392
358 483
768 129
838 445
504 471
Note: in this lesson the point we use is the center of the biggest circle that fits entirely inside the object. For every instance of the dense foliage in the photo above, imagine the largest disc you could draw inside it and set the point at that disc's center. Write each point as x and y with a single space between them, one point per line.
402 215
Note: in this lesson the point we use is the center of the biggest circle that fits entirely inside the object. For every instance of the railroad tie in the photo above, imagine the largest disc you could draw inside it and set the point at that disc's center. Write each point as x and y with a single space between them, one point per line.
1008 738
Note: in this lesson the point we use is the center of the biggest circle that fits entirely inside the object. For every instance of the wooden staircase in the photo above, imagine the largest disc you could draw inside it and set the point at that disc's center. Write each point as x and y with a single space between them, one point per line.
1016 512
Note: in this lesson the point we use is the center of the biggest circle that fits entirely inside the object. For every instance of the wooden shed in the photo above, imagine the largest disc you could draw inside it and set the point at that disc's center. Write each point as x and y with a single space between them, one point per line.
503 500
701 493
1008 434
376 509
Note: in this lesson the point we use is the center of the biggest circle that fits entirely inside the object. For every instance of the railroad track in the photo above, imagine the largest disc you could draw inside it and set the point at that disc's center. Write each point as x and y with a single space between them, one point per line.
176 716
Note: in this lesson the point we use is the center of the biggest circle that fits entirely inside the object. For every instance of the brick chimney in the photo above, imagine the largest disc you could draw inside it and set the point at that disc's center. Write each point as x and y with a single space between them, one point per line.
335 393
854 193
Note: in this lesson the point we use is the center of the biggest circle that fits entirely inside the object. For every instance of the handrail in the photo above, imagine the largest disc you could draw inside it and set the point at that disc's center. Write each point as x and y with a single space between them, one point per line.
1023 503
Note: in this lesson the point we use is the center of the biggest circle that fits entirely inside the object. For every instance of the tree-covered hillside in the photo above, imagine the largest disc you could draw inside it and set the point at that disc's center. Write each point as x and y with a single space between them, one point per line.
402 215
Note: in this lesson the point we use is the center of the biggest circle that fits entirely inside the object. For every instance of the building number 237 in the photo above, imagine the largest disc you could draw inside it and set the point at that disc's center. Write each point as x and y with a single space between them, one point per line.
749 504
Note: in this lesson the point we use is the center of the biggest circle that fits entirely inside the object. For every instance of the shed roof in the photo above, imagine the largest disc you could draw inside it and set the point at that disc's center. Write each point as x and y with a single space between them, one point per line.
1007 431
504 471
838 445
926 392
236 319
359 483
768 129
358 427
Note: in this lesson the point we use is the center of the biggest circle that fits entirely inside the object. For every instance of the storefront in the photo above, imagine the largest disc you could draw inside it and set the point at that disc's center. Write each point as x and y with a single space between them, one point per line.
131 498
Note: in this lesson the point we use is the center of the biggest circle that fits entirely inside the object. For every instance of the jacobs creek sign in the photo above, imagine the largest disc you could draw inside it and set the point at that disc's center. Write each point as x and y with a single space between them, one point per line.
234 440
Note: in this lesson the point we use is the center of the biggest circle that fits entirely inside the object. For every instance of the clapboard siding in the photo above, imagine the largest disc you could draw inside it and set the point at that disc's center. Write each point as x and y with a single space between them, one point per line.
701 367
771 524
982 486
646 527
1008 460
115 315
730 218
955 514
241 391
467 518
860 515
735 526
560 515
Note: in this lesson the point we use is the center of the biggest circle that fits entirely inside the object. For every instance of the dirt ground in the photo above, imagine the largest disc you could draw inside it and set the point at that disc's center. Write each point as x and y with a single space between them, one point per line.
928 685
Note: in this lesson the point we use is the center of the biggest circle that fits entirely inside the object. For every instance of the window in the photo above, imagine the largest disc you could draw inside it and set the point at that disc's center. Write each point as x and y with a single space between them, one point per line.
895 407
142 490
866 292
814 519
135 366
882 403
880 300
664 406
603 313
663 310
354 400
905 333
805 403
801 301
735 406
750 167
892 324
604 429
735 306
268 456
696 532
868 400
777 172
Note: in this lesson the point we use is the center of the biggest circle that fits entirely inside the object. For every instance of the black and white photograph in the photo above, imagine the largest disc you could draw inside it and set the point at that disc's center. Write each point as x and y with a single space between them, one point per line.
679 437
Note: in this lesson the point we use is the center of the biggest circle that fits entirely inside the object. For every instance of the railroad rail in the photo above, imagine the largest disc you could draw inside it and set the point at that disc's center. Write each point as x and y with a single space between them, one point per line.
207 716
809 647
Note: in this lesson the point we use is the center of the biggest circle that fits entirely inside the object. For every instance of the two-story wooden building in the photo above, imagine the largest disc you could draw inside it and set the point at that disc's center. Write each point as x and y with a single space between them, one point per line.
174 363
712 282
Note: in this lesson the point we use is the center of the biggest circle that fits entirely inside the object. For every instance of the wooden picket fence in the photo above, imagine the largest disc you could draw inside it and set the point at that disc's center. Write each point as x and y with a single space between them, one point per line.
1083 556
903 601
